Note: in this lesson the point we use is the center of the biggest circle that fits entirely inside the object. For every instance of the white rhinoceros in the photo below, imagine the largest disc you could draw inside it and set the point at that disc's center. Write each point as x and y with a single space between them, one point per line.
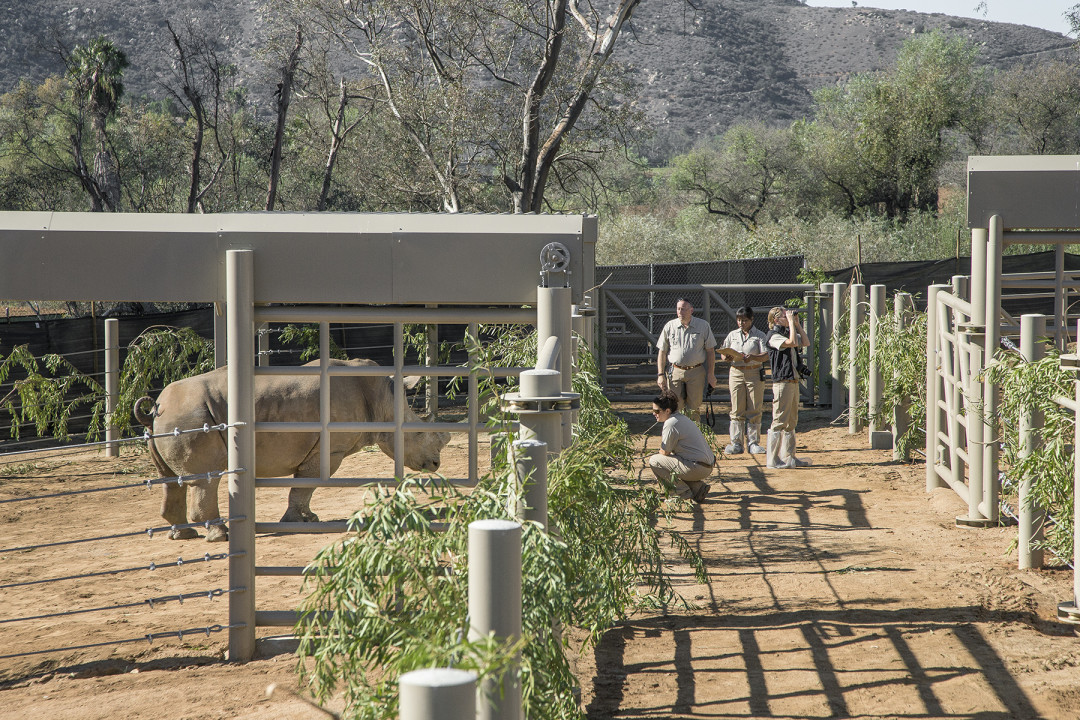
203 399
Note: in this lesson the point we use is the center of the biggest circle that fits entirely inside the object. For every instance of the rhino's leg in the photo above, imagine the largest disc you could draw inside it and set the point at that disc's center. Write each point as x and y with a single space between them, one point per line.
205 507
299 509
174 510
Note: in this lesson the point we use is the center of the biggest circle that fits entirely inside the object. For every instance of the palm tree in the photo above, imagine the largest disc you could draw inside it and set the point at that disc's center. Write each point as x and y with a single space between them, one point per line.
95 71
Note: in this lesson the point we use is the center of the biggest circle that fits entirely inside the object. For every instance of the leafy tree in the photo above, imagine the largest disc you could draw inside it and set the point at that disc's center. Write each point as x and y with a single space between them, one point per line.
1041 103
484 92
888 134
96 71
199 86
737 176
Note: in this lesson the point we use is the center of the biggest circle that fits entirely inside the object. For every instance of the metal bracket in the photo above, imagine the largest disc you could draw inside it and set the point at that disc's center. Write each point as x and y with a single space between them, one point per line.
554 258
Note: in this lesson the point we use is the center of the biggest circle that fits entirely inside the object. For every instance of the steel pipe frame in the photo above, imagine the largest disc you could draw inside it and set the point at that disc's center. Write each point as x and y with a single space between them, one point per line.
112 385
240 324
437 694
856 320
837 388
874 383
495 609
902 412
1031 515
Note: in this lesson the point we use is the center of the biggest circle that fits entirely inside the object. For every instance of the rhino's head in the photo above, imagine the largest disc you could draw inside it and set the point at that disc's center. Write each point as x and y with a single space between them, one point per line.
423 450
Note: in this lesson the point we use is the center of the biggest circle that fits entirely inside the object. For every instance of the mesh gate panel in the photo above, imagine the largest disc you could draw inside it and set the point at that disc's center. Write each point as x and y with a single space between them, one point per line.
625 344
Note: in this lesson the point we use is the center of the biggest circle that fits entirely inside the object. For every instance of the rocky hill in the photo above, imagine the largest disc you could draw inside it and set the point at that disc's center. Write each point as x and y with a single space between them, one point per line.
702 66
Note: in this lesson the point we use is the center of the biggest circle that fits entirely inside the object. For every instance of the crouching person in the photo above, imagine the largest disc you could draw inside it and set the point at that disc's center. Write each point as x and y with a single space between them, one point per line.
685 459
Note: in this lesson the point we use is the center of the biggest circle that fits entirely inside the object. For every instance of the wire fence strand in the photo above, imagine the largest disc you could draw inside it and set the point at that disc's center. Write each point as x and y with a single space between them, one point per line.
150 602
181 480
150 637
150 532
151 567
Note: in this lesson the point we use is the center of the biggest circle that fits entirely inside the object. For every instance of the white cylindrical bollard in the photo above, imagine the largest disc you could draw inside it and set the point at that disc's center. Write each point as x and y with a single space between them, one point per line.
1032 516
856 326
530 471
901 422
495 608
240 301
933 388
112 385
991 394
437 694
879 438
553 319
837 372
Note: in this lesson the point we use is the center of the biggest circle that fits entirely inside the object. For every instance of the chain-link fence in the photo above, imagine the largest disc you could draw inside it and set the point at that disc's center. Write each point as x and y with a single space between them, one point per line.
633 309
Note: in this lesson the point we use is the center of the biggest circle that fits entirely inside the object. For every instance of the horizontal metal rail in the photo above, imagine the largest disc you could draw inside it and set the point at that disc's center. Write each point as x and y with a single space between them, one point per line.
149 637
415 315
142 568
384 371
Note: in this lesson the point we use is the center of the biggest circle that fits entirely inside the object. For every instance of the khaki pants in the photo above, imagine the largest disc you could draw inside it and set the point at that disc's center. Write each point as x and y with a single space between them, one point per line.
785 406
670 470
747 395
689 387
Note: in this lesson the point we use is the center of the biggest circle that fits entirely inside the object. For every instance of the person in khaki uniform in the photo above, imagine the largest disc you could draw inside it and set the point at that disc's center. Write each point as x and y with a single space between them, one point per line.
786 336
685 458
690 346
747 344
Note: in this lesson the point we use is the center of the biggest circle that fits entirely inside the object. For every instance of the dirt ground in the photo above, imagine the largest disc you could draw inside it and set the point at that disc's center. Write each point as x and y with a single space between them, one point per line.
839 590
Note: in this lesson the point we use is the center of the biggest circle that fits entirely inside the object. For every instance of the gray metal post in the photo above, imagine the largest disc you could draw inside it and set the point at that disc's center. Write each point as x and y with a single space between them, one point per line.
553 319
112 385
474 402
495 608
1032 516
823 343
991 393
856 321
1060 320
1069 611
879 438
399 400
240 313
901 422
810 326
601 336
437 694
221 354
263 354
431 359
530 471
933 388
834 365
972 336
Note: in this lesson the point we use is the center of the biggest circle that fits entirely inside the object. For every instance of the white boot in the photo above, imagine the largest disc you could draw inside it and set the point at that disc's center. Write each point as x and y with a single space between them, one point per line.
787 452
772 457
735 447
753 439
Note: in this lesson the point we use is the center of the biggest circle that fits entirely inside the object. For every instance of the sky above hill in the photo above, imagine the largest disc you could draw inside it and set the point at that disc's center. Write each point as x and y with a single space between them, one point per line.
1048 14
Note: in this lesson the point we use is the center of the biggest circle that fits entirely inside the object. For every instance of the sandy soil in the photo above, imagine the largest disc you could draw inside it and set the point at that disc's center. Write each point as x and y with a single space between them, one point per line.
840 590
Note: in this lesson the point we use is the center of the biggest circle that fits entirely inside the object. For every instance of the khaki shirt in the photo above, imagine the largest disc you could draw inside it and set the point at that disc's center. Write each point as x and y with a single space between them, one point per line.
683 439
752 343
686 346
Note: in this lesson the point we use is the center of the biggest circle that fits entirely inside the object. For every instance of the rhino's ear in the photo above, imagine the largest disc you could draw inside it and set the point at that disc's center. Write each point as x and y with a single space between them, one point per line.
412 381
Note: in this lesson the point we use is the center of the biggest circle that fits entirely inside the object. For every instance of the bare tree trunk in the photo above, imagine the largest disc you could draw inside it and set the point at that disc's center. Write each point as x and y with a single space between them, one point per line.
284 96
337 137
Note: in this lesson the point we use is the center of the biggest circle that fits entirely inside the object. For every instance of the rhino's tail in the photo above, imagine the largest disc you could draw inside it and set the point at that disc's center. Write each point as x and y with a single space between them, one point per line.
147 420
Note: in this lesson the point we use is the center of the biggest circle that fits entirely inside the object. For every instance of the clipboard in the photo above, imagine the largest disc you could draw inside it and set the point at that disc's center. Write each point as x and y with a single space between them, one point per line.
728 354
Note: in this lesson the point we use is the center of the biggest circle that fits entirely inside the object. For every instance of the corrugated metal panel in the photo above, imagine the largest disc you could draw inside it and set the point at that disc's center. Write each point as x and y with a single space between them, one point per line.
1027 191
299 257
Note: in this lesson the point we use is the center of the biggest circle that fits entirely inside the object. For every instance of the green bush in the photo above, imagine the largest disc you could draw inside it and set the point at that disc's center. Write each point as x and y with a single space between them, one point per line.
392 596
